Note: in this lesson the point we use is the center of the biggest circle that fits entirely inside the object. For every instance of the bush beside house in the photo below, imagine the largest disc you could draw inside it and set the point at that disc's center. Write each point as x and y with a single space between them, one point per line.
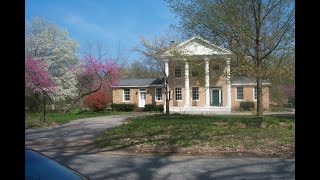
97 101
247 105
153 107
123 107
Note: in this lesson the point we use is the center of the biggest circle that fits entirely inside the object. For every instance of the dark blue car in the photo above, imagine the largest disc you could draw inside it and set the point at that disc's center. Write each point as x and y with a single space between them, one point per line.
40 166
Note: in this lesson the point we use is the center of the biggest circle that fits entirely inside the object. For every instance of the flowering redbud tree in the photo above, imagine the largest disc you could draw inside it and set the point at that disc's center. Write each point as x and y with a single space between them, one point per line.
38 79
94 74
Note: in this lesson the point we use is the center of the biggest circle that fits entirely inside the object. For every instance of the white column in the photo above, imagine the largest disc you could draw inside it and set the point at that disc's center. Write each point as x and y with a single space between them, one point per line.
186 85
228 105
207 82
166 67
166 71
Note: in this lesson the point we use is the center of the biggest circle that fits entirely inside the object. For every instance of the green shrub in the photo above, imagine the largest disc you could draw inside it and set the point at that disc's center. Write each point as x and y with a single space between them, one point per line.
152 107
149 107
159 108
123 107
247 105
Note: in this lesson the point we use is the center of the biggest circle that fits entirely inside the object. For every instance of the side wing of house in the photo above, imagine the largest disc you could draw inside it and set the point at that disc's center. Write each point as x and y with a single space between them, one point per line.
139 92
244 89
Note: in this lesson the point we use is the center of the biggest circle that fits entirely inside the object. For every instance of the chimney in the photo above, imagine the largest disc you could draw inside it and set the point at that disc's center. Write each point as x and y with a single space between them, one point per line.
172 44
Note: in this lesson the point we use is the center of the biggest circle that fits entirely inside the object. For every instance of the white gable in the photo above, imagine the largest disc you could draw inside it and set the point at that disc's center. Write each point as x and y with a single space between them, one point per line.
195 48
199 46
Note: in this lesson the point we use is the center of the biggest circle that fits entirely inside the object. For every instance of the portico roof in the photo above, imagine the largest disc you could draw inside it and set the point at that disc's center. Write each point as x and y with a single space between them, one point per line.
197 46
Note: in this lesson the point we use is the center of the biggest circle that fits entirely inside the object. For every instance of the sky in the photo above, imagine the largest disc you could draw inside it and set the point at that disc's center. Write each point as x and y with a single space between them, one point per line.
114 23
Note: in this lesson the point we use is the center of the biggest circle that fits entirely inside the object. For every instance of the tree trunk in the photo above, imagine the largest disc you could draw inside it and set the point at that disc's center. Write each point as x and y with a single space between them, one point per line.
81 103
83 95
259 97
167 107
44 108
167 98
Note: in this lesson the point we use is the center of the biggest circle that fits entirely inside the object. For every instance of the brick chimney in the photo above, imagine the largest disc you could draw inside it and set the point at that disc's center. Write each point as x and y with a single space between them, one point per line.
172 44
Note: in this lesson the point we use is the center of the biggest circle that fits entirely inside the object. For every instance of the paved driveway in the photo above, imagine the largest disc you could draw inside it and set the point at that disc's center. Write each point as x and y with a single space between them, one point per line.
143 167
76 136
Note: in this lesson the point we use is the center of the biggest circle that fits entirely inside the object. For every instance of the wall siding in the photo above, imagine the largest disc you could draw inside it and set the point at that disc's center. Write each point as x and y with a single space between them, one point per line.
248 96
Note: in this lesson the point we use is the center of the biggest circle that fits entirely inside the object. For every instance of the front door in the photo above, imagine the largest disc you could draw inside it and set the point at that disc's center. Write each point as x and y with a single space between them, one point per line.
142 97
215 97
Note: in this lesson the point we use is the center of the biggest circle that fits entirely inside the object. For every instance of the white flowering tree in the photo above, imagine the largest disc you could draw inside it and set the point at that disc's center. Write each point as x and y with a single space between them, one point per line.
51 44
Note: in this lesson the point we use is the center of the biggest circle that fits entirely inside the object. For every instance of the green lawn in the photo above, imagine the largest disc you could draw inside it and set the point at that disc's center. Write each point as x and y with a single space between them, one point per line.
35 120
207 135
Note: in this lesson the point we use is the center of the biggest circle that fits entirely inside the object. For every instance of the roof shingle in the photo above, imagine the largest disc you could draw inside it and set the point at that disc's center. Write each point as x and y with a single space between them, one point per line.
140 82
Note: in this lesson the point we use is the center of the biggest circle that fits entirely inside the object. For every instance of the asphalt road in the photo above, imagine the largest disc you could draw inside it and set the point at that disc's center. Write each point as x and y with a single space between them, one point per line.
138 167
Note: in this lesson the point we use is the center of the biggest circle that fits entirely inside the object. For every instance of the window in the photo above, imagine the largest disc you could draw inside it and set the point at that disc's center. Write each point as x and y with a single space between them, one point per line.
178 94
177 71
194 72
158 94
195 93
215 67
239 93
255 93
126 94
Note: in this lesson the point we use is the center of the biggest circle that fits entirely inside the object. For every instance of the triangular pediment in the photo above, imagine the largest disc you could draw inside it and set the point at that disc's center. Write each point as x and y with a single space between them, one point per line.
198 46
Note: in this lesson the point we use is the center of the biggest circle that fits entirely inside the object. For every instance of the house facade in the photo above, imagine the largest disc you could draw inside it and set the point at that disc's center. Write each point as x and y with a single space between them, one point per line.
197 82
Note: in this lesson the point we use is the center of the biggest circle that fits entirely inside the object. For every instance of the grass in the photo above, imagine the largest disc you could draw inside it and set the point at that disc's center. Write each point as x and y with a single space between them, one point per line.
35 120
198 134
281 109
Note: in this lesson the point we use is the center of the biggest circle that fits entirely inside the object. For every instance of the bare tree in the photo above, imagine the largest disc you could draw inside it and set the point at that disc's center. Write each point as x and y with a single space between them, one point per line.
259 33
153 50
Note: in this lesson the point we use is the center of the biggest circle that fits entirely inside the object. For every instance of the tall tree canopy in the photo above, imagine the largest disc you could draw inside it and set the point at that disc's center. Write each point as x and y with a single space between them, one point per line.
46 41
260 33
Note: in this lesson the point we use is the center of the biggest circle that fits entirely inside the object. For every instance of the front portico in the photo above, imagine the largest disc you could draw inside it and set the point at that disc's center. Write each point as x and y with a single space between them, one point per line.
210 97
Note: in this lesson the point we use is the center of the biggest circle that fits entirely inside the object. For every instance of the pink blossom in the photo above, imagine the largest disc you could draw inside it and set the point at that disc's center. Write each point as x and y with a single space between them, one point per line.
37 77
93 72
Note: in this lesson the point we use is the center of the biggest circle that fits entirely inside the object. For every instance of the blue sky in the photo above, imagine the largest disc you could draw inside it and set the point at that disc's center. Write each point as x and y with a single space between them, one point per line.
111 22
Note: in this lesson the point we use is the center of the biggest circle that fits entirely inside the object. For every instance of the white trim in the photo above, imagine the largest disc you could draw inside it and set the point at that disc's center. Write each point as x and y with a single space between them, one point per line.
123 95
237 92
253 92
174 93
155 94
207 82
192 93
186 84
224 51
145 98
